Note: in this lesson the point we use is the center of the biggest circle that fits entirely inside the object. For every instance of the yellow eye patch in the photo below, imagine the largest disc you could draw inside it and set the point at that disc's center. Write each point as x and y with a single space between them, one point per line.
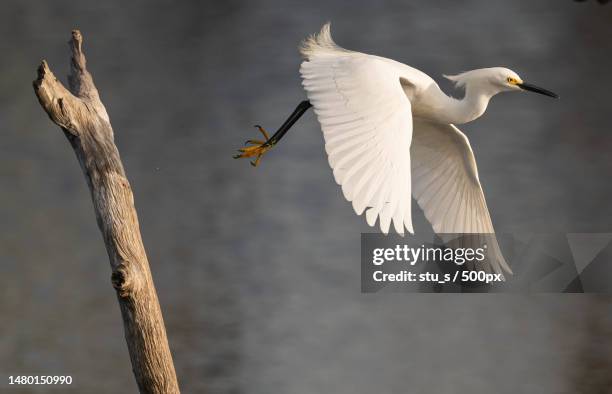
512 81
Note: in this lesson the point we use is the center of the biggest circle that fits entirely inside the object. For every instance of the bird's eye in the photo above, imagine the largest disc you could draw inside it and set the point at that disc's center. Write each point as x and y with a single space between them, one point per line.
511 80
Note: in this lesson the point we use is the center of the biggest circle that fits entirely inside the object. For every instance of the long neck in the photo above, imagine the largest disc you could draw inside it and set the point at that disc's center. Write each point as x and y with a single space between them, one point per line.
471 106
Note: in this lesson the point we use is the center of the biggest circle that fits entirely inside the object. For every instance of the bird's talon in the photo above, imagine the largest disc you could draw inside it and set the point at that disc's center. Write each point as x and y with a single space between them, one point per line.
257 150
262 131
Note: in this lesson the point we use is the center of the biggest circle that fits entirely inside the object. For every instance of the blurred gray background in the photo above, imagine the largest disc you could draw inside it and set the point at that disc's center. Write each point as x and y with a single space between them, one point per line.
258 270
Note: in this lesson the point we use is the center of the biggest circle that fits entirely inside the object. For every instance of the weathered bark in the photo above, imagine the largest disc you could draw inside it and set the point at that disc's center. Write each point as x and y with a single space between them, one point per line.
83 118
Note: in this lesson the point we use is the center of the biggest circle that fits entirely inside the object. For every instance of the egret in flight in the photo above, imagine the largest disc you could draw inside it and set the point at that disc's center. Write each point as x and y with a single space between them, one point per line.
390 134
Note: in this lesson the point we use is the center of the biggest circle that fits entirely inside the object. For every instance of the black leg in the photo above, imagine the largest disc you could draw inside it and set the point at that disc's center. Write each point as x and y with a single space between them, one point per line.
259 148
297 114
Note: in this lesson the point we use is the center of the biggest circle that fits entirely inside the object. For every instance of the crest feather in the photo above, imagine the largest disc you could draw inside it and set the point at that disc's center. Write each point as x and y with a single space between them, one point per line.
459 79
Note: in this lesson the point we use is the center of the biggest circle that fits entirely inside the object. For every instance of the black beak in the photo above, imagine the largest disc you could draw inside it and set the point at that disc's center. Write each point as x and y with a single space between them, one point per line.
536 89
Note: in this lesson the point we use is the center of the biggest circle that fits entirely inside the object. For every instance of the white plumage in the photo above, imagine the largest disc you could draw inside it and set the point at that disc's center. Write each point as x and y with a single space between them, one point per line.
390 133
367 124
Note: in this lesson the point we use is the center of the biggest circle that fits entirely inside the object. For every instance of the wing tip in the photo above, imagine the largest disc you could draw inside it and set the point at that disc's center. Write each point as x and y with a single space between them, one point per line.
371 216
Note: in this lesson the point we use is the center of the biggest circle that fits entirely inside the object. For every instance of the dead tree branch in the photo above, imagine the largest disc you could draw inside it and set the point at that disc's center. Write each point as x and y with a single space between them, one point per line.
83 118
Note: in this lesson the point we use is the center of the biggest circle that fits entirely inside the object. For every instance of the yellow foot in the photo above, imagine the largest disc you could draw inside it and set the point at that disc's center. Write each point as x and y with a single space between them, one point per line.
258 149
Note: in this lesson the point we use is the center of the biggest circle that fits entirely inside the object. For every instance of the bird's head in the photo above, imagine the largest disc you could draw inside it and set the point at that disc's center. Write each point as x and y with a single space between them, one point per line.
496 80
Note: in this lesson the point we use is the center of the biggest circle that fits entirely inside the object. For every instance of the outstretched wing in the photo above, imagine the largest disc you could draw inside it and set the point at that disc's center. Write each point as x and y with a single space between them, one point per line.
446 185
367 125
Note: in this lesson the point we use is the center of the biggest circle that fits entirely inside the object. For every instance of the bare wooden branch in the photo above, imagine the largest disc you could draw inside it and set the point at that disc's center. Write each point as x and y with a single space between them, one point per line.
83 118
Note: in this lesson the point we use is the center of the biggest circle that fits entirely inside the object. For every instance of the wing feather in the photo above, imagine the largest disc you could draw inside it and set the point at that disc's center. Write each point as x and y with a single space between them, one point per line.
446 185
367 125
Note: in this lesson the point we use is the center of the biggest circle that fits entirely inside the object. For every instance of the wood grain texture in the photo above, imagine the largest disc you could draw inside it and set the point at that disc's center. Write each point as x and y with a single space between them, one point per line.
79 112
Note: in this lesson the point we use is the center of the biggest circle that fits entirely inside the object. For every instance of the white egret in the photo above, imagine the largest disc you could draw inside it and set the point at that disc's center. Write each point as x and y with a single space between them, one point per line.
390 133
